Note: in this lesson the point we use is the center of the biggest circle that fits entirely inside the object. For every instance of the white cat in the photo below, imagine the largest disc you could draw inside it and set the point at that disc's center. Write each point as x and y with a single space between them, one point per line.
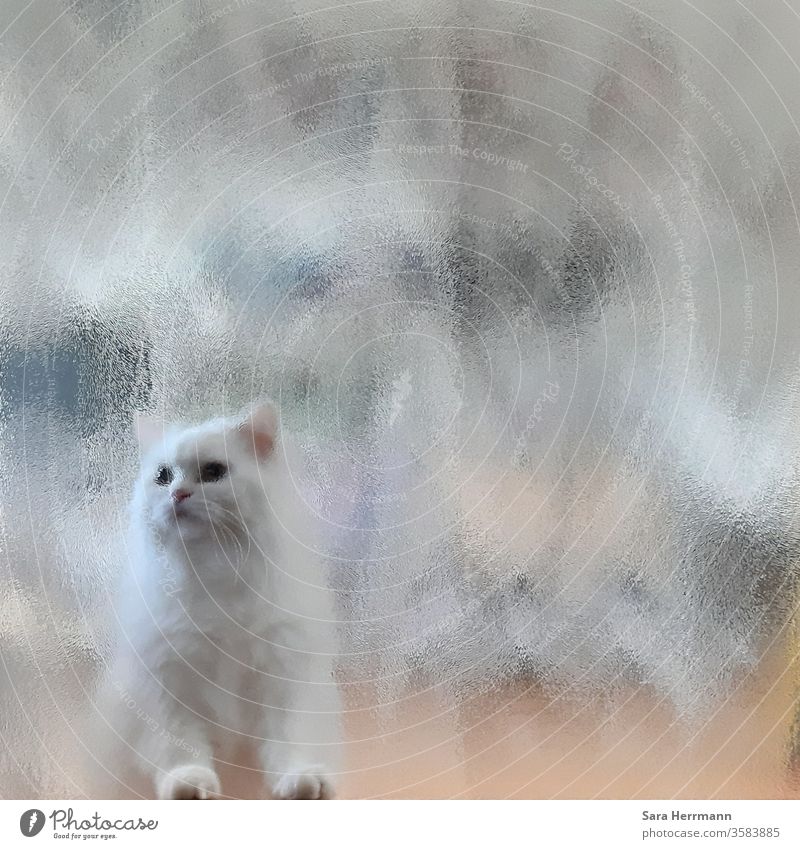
226 637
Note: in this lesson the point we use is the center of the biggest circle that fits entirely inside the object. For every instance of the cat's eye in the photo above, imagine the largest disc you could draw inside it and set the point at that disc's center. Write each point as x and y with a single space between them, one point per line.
211 472
164 476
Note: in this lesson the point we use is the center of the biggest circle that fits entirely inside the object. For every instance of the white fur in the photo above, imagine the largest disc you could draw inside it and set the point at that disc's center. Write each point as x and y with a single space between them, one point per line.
226 639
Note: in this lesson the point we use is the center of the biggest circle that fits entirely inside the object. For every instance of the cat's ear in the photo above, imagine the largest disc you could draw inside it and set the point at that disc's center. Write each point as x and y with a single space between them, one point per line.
259 429
148 430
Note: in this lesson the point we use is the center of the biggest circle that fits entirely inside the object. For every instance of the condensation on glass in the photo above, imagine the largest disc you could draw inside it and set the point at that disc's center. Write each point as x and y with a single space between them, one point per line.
523 280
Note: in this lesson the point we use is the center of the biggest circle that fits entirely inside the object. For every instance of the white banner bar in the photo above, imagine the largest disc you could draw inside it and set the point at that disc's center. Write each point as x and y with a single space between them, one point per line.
405 824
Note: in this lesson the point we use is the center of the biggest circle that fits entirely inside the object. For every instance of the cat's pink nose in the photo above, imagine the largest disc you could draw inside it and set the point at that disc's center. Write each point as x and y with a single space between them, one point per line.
180 495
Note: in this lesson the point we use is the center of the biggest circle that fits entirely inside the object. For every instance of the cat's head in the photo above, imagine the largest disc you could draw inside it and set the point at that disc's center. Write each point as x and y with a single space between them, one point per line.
205 479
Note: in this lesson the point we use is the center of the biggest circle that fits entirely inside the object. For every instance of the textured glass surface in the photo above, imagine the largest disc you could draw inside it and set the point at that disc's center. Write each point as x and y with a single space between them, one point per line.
524 282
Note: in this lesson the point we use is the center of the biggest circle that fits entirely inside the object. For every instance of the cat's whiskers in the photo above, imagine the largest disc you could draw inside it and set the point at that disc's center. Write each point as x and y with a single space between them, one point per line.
240 526
225 527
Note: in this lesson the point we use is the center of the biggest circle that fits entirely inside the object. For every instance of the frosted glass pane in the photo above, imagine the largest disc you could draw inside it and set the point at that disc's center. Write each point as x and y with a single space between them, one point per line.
523 282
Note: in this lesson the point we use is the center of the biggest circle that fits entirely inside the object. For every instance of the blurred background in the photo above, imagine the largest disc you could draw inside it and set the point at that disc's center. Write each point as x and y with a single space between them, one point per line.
524 283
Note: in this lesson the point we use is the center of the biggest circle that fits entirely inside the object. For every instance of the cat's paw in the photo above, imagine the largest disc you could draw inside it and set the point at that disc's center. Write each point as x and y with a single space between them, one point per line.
189 782
304 785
